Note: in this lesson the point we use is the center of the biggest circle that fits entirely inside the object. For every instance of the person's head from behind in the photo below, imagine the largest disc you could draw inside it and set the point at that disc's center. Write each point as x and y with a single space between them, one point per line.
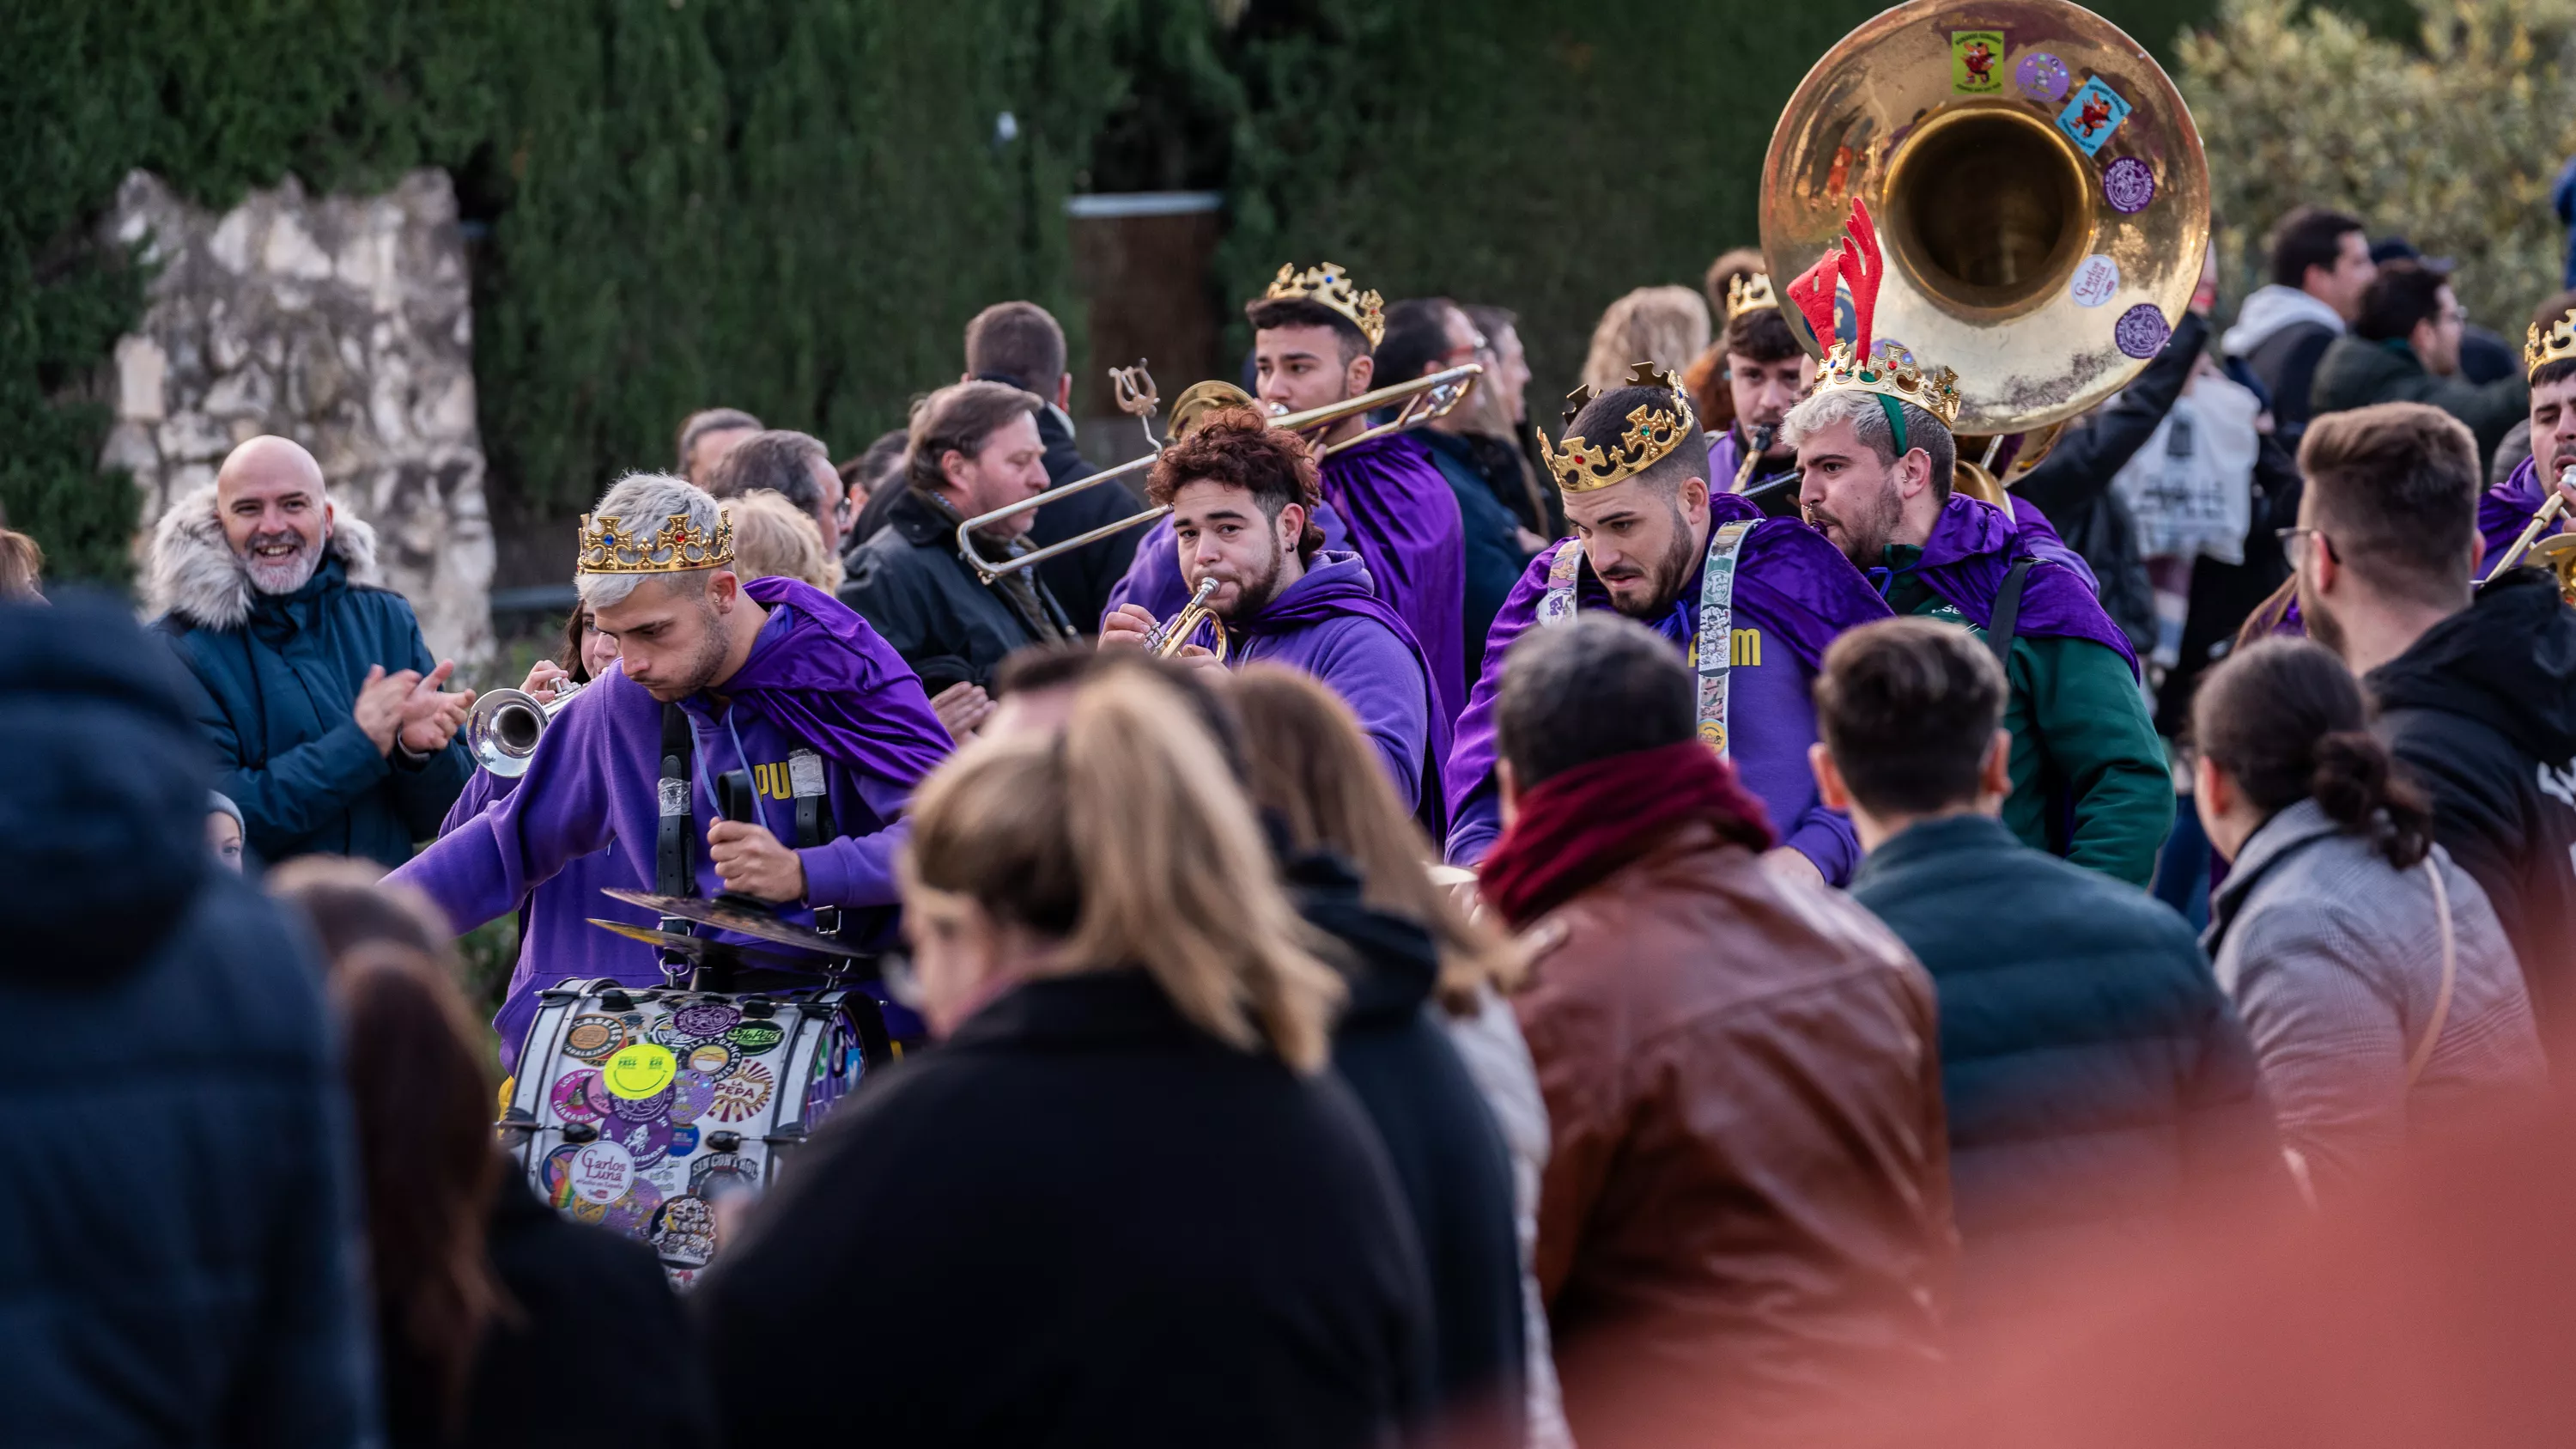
976 445
2388 520
2282 721
1306 354
1019 343
22 568
2553 385
1315 772
1036 685
773 538
1858 488
1243 497
1909 725
674 632
1587 690
269 497
1122 842
881 463
794 466
1642 534
1667 326
2412 303
707 436
422 1102
2324 254
224 831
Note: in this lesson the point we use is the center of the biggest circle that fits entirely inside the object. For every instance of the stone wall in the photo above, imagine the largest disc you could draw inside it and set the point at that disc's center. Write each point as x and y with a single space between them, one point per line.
345 323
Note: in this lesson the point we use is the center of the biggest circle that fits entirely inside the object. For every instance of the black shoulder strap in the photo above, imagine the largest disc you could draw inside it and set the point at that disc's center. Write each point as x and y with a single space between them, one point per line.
2007 615
675 870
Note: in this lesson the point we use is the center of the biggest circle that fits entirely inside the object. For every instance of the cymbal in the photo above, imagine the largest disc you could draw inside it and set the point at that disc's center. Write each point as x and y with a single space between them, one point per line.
737 919
703 950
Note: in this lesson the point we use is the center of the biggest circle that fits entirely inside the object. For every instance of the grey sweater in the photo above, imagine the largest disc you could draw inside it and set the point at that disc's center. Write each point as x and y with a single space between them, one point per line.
2334 959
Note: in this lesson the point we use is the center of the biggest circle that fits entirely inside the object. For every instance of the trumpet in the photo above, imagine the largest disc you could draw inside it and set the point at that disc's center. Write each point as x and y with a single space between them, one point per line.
1169 637
1430 396
504 726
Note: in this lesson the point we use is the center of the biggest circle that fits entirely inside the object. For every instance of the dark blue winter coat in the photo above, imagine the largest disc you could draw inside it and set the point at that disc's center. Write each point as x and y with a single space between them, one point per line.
178 1249
2100 1088
276 678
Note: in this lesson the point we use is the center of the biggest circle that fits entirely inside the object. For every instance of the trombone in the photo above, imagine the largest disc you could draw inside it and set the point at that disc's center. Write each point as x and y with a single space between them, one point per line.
1432 395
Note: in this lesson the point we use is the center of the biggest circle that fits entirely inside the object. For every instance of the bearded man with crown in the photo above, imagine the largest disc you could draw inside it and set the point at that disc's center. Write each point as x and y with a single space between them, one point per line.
1877 459
2549 365
772 678
1750 601
1314 339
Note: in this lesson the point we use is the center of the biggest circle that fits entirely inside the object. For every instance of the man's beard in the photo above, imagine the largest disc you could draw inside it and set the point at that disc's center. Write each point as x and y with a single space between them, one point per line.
280 575
1671 572
1255 591
715 641
1864 536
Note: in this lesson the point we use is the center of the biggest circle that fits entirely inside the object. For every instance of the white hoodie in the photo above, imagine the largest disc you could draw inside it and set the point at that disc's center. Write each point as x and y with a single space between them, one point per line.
2270 309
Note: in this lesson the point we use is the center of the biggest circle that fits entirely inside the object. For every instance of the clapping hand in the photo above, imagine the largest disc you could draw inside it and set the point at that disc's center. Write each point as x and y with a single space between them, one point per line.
430 716
382 699
963 708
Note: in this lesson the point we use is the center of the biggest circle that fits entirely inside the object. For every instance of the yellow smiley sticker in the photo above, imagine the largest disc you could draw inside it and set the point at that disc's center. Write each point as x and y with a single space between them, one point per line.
638 1071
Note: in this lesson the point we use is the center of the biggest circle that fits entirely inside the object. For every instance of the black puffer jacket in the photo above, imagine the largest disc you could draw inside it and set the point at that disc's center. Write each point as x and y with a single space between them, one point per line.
2483 711
911 584
1448 1154
177 1258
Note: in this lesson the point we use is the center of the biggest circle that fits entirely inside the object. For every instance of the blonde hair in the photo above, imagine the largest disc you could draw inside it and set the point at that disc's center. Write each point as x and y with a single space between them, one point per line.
773 538
1667 326
1127 837
1316 772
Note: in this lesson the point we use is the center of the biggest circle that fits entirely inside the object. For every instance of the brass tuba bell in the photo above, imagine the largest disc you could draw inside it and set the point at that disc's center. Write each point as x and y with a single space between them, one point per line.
2042 199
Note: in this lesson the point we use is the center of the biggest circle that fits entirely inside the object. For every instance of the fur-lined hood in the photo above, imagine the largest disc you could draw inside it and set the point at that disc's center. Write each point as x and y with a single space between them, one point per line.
193 574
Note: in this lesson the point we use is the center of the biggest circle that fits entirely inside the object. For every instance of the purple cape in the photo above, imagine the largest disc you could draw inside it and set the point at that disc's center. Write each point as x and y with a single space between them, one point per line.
1790 582
1974 545
2505 510
1338 585
844 690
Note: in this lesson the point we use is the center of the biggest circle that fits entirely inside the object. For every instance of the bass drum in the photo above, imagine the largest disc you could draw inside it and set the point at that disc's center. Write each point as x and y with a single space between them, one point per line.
642 1109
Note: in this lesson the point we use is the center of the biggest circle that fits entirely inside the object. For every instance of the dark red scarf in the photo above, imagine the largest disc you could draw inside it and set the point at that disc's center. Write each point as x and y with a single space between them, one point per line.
1576 828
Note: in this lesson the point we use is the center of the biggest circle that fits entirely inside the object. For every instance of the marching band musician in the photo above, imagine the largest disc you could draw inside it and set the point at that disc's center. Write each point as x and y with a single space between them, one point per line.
1243 497
1752 601
2505 511
1766 374
2089 781
773 678
1314 334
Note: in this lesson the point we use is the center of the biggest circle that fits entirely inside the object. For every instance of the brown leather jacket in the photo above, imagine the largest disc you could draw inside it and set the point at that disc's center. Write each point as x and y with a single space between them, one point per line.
1746 1212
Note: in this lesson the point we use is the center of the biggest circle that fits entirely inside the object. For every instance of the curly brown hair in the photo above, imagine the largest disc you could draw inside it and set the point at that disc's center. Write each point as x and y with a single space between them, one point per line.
1238 448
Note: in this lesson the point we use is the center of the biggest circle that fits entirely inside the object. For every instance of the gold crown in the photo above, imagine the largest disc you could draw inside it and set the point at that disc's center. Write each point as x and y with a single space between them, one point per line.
1331 286
1896 376
1652 433
1750 292
677 547
2542 348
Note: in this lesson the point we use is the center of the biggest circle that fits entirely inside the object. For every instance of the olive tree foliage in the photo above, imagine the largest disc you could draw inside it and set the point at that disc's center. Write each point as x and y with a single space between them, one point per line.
2452 141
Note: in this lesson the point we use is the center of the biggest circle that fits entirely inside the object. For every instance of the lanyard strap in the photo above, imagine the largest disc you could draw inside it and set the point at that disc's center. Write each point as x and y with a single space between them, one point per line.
1715 647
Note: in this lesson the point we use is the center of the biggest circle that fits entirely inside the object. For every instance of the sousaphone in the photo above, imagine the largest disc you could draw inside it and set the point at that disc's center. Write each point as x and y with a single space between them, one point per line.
2041 198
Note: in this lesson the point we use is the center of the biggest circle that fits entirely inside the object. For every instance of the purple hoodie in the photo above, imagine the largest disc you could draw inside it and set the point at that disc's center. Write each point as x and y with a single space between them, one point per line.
1387 500
2505 510
590 796
1331 624
1794 592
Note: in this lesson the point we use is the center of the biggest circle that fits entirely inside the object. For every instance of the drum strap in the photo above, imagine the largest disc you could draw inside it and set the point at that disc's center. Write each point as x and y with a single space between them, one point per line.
813 819
675 870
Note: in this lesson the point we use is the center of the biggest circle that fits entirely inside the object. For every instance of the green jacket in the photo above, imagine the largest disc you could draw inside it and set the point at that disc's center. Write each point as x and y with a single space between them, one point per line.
2355 373
2089 780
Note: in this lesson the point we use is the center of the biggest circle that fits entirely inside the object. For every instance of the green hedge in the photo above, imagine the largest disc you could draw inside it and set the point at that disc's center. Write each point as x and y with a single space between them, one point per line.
794 205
